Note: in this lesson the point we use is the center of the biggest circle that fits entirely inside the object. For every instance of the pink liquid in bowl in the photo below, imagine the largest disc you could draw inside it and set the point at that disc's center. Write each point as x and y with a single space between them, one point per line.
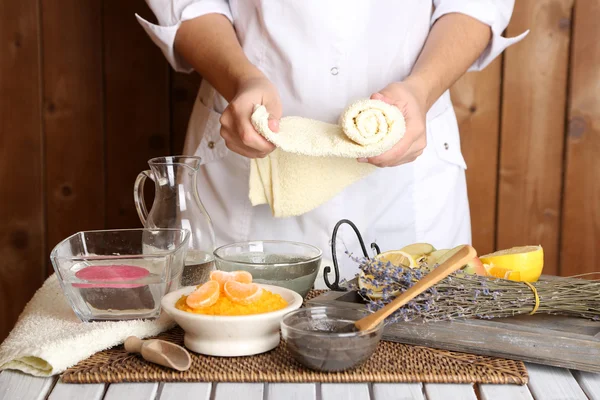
104 273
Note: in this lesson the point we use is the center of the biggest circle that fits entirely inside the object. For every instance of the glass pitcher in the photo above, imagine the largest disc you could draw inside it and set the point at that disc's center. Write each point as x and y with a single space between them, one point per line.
178 205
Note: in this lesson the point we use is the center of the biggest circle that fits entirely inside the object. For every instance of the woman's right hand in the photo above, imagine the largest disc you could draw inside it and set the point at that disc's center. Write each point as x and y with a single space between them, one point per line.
236 128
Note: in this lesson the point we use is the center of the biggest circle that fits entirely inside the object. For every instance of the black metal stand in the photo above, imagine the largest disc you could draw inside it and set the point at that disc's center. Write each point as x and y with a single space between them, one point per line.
327 270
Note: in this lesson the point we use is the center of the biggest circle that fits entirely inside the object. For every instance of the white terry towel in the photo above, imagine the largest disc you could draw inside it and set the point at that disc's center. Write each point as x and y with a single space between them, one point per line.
48 337
315 160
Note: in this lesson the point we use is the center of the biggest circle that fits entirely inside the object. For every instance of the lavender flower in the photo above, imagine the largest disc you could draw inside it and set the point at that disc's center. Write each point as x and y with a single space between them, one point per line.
468 296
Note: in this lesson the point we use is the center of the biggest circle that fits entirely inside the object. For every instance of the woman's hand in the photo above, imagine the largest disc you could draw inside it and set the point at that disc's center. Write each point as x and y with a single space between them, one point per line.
409 99
236 128
209 43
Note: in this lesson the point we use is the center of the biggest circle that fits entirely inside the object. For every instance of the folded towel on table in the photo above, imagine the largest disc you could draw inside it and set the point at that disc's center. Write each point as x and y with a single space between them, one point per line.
48 337
315 160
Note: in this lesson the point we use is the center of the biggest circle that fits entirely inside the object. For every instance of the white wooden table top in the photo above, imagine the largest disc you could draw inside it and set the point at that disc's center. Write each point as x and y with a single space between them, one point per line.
544 383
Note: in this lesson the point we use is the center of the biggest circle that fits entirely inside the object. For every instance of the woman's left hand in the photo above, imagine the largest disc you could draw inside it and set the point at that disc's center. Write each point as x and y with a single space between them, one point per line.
406 97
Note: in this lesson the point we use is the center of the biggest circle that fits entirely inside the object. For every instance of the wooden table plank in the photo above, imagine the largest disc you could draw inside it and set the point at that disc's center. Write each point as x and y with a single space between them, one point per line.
447 391
238 391
185 391
551 383
291 391
346 391
589 382
131 391
501 392
398 391
15 385
72 391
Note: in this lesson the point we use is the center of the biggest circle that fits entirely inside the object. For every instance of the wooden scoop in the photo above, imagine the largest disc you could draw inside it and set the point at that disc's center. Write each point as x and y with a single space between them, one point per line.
455 262
160 352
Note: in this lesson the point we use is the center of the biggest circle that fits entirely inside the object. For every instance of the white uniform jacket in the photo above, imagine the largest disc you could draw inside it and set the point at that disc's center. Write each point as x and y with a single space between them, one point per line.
323 55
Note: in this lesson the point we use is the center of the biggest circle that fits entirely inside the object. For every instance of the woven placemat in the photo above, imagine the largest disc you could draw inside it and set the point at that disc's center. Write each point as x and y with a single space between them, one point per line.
392 362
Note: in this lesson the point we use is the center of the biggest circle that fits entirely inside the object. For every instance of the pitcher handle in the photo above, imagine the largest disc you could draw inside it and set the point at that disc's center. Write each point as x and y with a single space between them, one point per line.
138 195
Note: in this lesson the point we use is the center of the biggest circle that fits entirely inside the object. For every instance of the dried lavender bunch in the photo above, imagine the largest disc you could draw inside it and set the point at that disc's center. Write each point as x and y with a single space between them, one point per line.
462 295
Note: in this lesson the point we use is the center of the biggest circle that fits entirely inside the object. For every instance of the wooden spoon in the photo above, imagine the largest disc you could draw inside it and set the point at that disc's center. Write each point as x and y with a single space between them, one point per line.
456 261
160 352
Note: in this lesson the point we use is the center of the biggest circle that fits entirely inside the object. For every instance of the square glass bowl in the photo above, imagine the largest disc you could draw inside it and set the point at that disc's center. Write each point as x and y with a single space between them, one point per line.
120 274
291 265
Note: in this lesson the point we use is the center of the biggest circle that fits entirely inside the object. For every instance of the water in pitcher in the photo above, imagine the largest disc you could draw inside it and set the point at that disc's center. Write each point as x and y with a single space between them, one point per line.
177 204
198 265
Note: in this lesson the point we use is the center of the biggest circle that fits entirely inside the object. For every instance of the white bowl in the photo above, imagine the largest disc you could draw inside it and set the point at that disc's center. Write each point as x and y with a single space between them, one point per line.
231 336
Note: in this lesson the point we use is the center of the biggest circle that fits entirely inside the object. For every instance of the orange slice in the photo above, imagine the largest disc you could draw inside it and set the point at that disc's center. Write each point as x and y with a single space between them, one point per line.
242 276
224 276
242 293
503 273
205 296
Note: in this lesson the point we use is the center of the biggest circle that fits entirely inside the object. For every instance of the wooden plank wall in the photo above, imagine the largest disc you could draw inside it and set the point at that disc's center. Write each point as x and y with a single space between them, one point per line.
22 207
580 233
86 99
534 99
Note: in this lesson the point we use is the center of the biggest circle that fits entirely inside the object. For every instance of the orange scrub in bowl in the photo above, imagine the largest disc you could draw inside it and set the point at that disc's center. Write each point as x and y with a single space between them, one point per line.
230 297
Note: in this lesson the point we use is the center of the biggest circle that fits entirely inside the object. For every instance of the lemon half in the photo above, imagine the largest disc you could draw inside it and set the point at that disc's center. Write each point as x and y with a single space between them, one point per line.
377 292
524 263
398 258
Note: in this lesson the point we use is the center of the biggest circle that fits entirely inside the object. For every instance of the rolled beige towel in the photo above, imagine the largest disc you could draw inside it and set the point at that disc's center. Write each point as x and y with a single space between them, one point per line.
366 128
368 122
315 160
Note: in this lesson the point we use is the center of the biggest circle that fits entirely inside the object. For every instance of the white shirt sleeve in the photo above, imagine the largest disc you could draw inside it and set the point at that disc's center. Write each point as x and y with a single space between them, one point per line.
495 13
170 14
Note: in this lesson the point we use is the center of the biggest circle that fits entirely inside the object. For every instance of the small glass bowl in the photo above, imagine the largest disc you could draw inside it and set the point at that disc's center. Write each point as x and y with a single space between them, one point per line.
120 274
290 265
311 338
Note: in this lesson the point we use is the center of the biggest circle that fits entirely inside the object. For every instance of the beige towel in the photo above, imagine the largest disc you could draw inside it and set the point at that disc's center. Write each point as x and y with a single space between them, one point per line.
49 338
315 160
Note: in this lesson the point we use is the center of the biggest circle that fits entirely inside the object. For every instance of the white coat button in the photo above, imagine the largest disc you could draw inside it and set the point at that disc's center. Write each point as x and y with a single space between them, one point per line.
334 71
446 146
211 145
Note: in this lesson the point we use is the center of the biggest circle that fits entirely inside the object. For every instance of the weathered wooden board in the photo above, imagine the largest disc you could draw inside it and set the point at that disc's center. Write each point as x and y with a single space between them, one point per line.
512 392
553 383
398 391
250 391
185 391
18 385
346 391
291 391
131 391
544 339
443 391
71 391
